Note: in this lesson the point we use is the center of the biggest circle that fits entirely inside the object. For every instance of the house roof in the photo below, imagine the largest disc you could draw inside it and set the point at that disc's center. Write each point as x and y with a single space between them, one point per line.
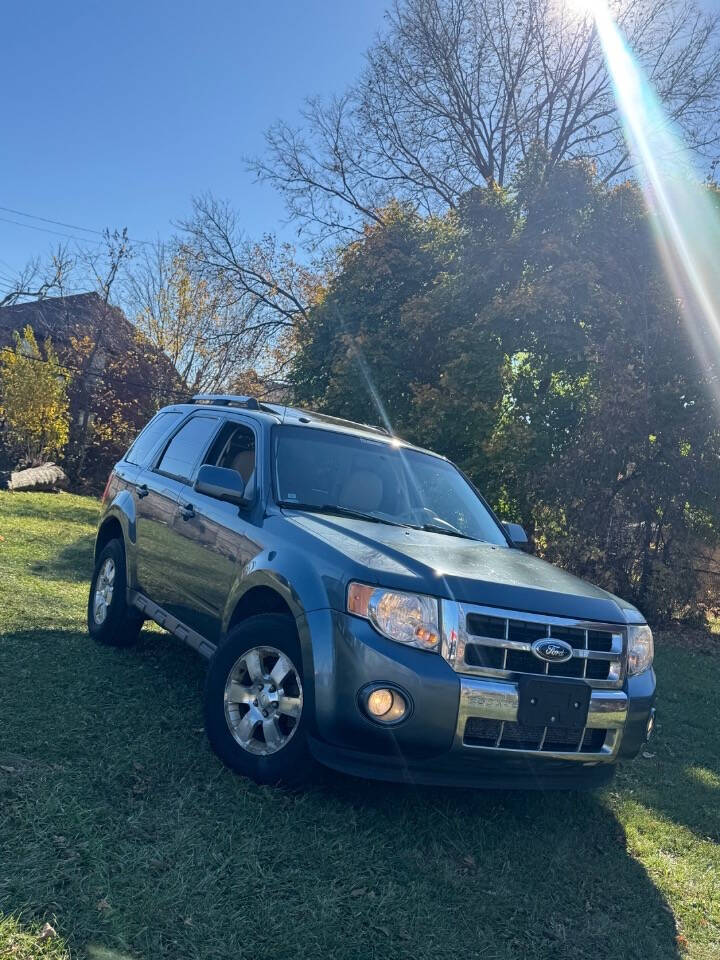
67 320
62 318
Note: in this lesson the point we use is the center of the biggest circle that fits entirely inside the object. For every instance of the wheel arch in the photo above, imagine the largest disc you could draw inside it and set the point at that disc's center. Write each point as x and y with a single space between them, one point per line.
118 522
110 529
258 599
268 592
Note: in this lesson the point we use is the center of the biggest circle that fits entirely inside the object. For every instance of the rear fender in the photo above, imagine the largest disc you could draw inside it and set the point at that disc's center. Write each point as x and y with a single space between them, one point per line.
121 511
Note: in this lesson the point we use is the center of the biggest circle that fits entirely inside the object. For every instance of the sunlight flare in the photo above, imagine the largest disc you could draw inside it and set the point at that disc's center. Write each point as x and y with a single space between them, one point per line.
685 212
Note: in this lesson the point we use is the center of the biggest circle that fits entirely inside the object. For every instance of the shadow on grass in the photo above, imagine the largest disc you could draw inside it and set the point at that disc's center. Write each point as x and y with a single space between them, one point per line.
72 562
118 823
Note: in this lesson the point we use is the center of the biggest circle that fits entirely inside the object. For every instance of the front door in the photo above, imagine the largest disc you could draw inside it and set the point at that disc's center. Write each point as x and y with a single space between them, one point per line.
217 538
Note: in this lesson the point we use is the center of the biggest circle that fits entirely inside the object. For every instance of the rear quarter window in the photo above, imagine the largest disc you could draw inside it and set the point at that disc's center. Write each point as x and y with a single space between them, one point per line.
159 427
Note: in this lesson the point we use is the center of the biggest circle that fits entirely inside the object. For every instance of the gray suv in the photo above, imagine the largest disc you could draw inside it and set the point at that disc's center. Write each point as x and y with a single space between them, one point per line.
360 605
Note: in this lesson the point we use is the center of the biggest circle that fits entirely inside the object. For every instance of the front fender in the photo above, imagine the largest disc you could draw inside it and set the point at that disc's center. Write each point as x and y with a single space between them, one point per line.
296 581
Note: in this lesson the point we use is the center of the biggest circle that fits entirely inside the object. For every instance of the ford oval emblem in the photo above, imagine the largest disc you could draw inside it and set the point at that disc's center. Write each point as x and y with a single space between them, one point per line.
551 650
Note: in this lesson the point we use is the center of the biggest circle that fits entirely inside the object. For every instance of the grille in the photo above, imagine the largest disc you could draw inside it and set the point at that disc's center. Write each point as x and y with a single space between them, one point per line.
501 646
481 732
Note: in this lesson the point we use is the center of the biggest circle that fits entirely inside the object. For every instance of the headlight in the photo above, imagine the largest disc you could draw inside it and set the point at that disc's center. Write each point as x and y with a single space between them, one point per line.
406 617
640 648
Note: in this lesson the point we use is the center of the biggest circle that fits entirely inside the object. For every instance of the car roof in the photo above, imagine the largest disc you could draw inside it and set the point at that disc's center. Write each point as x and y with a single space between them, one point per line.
278 413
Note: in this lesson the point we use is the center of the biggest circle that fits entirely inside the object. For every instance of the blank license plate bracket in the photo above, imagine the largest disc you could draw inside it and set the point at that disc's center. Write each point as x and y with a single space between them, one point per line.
553 703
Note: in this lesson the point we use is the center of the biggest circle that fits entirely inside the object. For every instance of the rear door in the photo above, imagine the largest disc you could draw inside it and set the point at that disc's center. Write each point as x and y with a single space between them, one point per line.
160 549
217 539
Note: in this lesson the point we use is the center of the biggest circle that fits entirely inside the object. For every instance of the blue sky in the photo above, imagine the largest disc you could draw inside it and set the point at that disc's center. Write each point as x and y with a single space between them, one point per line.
116 113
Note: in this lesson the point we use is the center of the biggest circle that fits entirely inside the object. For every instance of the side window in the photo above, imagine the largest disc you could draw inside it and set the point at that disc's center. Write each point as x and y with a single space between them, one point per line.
148 439
234 449
183 451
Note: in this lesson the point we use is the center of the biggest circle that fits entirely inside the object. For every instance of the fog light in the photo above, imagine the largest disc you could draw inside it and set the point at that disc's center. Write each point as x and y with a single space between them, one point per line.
379 702
385 705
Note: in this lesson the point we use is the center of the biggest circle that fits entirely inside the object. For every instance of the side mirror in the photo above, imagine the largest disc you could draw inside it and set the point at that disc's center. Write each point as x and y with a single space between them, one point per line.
518 536
221 483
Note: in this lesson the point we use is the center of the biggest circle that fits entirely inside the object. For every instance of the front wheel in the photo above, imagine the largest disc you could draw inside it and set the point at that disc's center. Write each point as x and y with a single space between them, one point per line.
254 704
110 620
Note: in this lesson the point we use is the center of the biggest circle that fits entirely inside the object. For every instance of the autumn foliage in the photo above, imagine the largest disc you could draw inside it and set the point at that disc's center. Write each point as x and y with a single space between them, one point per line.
34 405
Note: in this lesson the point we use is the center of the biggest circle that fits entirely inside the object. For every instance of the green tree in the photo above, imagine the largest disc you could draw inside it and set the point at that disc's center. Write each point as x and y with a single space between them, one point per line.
364 341
34 405
531 335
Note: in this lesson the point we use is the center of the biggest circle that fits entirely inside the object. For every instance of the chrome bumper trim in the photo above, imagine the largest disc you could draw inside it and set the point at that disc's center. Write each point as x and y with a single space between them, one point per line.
499 701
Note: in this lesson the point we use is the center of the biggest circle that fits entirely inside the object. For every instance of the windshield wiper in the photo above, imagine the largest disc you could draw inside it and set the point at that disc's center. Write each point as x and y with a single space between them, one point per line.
332 508
448 531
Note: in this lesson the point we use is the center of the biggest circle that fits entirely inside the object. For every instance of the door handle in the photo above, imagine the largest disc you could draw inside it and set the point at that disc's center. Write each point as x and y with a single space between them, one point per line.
142 490
187 512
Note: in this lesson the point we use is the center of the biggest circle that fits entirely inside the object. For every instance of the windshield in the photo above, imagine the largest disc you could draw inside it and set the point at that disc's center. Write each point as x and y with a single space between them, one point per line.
328 472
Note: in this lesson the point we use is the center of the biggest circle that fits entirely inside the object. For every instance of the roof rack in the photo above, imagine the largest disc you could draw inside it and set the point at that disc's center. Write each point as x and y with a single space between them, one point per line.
279 409
282 409
226 400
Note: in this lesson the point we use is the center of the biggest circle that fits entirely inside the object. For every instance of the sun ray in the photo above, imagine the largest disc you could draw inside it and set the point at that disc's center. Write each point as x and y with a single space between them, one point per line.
684 212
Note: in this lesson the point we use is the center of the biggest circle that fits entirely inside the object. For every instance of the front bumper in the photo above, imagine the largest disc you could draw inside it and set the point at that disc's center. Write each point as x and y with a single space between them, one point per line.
431 745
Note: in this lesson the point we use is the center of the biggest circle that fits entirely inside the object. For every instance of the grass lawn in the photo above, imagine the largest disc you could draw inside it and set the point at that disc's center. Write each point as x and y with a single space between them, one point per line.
120 828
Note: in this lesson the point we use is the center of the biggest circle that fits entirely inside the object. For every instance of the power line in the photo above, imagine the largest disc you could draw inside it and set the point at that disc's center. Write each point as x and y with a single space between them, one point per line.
57 233
59 223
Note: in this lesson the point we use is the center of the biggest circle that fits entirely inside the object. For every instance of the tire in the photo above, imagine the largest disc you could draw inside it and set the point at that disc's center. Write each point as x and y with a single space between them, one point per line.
112 623
258 668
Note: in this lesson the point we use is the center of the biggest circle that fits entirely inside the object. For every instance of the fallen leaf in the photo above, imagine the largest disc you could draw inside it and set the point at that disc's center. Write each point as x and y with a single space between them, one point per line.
7 769
47 932
469 861
682 941
102 904
648 756
358 891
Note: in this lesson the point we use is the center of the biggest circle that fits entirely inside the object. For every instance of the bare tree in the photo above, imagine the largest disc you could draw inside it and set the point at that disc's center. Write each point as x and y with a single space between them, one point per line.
263 289
41 279
186 316
457 92
104 265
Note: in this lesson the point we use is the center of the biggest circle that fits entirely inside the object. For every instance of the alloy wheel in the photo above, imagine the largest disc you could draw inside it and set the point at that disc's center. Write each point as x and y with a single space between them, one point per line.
104 586
263 700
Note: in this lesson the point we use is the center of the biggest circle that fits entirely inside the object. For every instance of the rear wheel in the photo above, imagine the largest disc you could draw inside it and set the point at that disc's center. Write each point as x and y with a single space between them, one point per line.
254 704
110 620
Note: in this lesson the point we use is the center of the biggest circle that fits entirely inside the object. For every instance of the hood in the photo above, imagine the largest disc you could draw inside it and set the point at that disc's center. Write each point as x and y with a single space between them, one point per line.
465 570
